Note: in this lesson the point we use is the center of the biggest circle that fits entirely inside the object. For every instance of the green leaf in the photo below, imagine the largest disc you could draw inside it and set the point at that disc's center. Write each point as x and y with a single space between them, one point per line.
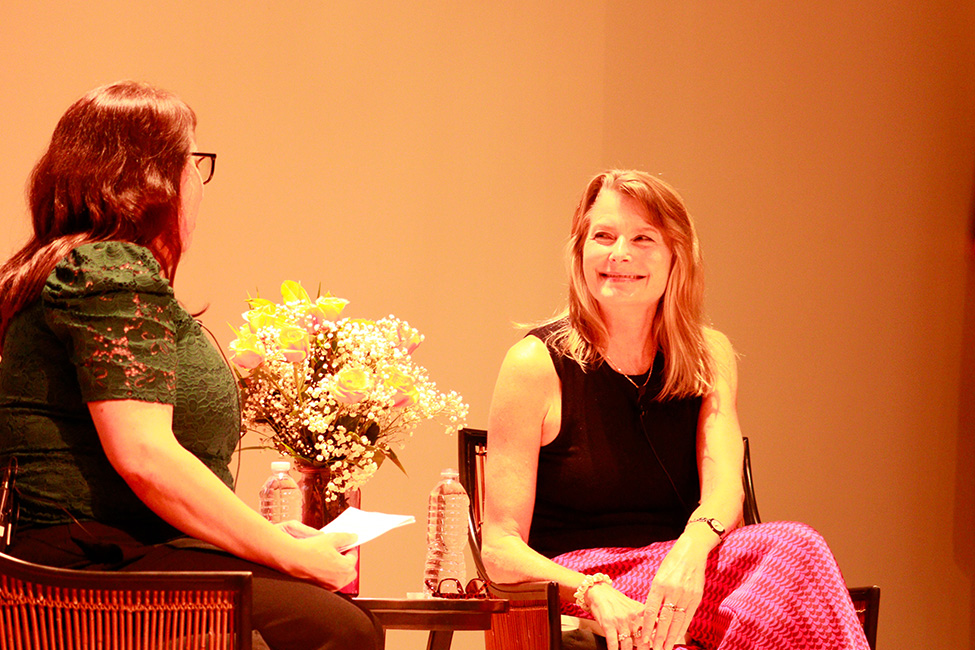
372 433
393 457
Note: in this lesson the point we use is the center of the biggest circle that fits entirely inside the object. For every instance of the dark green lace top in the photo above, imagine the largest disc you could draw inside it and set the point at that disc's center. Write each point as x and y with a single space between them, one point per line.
106 327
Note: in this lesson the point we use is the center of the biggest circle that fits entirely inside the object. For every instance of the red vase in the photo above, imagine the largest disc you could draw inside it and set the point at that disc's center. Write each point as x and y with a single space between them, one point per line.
316 510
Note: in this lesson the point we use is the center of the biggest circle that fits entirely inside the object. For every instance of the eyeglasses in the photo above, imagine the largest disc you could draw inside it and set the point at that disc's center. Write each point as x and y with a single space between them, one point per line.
206 163
454 588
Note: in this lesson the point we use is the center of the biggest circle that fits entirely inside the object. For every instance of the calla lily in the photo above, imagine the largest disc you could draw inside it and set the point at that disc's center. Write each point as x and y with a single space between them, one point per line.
261 303
292 292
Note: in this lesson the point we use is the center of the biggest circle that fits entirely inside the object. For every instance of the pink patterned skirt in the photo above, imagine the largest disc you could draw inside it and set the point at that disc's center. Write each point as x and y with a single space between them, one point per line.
771 586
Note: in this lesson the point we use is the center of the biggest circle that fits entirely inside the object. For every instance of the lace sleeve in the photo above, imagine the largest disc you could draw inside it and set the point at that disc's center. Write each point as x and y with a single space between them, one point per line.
110 306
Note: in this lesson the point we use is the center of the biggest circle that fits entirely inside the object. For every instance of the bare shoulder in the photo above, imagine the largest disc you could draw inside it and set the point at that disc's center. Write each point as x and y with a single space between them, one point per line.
724 355
720 346
526 395
529 360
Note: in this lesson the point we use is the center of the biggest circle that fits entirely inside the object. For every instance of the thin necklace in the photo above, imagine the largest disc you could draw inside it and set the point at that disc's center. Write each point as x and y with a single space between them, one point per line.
630 379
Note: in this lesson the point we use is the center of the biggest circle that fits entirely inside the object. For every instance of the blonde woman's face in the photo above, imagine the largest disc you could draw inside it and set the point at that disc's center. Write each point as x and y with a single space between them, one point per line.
625 260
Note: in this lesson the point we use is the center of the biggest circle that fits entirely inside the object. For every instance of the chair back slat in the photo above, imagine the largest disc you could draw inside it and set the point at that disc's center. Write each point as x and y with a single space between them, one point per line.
472 450
122 611
750 506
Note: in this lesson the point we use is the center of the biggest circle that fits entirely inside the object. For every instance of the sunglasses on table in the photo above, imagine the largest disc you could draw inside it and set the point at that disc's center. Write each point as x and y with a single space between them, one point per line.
454 588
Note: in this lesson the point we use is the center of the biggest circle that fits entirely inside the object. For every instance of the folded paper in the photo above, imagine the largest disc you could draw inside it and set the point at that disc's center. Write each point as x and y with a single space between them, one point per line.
367 525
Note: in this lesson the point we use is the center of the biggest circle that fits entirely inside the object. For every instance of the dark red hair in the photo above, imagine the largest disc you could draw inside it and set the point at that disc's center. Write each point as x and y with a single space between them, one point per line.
111 173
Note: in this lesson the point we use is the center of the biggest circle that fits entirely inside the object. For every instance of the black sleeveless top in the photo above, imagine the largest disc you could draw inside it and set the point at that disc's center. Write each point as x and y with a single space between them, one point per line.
606 480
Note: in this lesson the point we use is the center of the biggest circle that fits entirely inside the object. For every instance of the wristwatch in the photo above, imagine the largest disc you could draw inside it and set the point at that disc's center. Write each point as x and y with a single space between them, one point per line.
715 525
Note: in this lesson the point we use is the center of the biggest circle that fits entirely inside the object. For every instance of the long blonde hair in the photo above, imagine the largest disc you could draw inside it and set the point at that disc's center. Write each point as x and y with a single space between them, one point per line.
678 325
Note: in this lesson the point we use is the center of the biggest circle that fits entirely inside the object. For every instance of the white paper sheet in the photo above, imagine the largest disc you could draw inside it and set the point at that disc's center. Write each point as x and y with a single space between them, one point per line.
367 525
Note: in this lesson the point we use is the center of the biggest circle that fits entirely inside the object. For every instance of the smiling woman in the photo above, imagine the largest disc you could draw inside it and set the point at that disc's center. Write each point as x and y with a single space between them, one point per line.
631 223
625 258
615 454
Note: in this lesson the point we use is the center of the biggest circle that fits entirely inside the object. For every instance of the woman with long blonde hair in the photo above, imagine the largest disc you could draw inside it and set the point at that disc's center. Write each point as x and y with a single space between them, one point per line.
615 454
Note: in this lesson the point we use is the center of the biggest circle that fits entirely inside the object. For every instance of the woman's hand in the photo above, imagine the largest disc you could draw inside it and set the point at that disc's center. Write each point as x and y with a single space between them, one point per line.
620 617
324 564
675 593
138 440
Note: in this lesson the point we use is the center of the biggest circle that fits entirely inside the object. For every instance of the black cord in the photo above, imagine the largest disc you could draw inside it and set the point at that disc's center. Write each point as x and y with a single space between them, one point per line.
240 405
641 393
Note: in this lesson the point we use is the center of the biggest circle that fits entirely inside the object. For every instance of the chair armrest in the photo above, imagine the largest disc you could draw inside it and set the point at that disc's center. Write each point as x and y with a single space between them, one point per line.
866 601
523 590
532 621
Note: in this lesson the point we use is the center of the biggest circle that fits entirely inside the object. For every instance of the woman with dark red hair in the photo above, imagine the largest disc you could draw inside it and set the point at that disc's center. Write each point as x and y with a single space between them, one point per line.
121 414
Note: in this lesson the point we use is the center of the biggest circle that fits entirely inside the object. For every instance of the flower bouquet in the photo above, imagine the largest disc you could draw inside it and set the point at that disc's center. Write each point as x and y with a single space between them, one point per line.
339 395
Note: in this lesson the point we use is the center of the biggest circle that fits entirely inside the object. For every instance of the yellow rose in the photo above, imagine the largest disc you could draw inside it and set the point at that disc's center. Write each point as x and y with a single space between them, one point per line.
403 386
248 353
331 306
293 342
323 309
260 316
351 385
409 338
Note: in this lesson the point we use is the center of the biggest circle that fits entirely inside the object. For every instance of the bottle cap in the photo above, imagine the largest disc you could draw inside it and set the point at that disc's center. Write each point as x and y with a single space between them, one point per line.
280 466
449 473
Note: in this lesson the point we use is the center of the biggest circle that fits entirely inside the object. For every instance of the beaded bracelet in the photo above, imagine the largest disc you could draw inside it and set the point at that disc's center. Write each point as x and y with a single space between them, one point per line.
588 583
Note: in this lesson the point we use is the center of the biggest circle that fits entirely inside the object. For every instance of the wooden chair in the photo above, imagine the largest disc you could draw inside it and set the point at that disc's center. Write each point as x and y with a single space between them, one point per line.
44 608
532 621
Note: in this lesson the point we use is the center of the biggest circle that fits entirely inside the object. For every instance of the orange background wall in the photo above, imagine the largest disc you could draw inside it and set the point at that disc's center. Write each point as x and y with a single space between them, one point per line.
423 158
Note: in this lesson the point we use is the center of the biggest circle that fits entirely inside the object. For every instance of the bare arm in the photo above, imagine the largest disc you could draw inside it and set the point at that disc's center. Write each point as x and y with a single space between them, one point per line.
139 442
524 410
680 579
720 450
525 414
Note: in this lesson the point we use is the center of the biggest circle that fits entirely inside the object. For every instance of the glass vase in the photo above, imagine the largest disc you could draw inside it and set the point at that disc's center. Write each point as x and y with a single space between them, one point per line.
317 510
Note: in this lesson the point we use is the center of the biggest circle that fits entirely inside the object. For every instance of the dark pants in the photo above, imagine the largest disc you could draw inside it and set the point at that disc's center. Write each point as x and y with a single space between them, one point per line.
289 613
582 640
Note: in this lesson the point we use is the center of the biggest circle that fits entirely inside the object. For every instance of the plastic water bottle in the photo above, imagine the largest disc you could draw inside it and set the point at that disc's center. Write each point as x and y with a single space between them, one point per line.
280 496
446 532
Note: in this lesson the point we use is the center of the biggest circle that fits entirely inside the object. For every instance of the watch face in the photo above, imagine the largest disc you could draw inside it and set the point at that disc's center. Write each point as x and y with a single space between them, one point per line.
716 526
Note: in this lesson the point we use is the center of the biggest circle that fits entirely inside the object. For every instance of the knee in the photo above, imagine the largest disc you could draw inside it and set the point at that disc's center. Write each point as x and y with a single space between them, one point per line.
356 632
803 533
329 630
293 614
801 539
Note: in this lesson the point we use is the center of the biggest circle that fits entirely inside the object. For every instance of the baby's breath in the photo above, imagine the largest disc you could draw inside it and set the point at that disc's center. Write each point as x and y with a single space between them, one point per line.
353 396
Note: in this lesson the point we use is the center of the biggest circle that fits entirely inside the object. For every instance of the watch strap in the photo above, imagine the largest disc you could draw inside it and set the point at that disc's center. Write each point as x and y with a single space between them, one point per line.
716 526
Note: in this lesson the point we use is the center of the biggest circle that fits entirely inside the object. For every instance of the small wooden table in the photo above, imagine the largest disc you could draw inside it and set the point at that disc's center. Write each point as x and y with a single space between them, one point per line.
442 616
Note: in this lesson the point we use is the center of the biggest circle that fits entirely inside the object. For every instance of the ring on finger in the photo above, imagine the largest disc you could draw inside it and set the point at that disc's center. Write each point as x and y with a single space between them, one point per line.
623 636
680 610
